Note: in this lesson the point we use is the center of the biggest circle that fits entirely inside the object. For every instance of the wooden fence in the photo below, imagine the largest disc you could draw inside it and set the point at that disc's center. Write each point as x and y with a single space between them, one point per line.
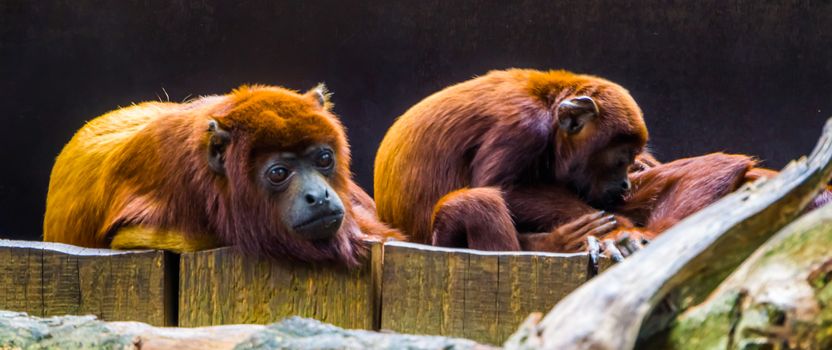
50 279
402 287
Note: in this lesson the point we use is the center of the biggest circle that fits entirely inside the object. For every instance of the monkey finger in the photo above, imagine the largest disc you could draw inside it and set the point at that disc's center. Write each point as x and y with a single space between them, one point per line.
575 238
603 229
583 221
595 228
622 242
634 245
575 245
611 251
594 250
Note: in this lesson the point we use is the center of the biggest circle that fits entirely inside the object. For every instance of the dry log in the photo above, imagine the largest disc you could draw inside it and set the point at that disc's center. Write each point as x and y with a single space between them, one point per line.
684 265
20 331
779 298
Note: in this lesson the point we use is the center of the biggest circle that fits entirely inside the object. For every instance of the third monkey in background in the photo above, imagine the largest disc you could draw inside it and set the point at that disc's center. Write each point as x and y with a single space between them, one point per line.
524 159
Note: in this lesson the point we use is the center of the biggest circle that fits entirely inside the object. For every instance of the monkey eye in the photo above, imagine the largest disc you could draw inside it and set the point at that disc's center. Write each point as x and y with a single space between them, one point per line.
277 174
325 159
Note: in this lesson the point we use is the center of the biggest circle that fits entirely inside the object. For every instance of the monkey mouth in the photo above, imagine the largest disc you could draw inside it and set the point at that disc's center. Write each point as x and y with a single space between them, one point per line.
320 226
609 200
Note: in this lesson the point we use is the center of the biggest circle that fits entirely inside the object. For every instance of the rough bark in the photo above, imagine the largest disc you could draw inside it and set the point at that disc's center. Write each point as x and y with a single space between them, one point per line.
779 298
20 331
684 265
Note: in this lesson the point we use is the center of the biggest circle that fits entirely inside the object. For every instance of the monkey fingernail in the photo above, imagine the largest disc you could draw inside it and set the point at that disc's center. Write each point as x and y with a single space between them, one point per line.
611 250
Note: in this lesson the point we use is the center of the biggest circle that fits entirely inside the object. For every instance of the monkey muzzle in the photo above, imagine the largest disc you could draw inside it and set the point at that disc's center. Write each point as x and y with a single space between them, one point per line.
612 196
317 211
322 225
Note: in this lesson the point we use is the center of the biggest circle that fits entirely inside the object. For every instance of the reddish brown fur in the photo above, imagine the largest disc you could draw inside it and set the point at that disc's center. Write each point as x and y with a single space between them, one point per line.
499 132
473 203
146 166
664 194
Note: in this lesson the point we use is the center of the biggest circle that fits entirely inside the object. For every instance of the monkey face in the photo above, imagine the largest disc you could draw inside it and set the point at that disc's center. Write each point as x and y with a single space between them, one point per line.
300 182
602 179
608 180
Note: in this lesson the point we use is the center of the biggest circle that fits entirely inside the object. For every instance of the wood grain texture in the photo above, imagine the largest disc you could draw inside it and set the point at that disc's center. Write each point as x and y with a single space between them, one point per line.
50 279
220 286
481 296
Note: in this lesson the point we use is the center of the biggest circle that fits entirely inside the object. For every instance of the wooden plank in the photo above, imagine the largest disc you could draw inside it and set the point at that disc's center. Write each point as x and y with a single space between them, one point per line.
221 286
478 295
20 287
482 281
406 266
50 279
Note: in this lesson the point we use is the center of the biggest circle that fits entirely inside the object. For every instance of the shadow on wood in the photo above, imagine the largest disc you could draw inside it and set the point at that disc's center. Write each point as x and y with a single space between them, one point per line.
47 279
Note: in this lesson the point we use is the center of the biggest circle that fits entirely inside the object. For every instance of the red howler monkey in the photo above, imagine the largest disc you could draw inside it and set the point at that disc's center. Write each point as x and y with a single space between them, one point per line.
262 168
513 159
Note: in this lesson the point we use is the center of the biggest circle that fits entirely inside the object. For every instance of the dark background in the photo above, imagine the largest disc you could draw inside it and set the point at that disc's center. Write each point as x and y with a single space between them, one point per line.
739 76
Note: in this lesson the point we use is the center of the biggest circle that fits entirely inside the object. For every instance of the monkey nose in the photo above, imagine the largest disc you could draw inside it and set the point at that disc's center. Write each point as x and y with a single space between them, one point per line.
625 185
317 198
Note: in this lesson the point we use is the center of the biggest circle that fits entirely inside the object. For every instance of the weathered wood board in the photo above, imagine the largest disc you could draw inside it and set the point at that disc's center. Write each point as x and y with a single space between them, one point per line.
477 295
221 286
50 279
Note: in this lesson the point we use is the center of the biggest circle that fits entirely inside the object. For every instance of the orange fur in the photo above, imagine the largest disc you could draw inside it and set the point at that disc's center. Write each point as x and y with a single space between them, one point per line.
146 166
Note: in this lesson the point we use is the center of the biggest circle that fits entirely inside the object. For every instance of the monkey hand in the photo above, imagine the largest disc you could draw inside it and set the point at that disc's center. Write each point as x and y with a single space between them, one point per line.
572 236
617 245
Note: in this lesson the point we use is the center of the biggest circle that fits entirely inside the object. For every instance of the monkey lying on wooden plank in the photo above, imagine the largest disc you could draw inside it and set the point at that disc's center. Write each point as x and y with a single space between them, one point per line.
265 169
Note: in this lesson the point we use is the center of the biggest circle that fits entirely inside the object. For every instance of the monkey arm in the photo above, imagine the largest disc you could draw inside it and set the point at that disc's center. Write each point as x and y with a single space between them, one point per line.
141 237
561 220
543 208
667 193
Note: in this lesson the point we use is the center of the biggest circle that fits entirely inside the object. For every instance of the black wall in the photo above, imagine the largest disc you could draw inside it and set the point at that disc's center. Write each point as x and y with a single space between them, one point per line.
740 76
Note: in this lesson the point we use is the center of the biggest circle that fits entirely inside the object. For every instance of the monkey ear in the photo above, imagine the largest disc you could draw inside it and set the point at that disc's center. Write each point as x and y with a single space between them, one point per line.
574 113
218 140
321 95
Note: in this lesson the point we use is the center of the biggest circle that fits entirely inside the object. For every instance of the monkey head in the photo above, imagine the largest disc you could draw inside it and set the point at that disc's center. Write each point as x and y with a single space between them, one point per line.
280 161
599 132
